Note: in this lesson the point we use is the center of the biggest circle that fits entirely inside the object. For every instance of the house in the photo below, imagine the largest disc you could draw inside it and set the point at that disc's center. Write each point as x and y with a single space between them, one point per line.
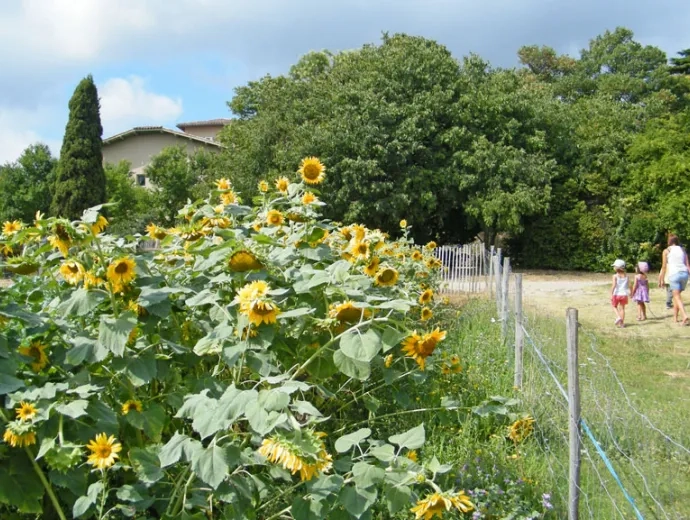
140 144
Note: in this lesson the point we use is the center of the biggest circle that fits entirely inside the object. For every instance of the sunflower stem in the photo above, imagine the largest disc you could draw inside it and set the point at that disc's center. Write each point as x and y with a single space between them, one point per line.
279 496
181 498
104 494
173 503
279 513
46 484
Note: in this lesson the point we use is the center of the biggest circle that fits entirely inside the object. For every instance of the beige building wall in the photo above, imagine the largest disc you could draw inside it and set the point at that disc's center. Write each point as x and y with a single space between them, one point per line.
140 149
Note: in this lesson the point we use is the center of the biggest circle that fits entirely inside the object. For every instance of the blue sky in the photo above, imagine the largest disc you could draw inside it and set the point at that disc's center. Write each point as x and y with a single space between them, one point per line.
159 62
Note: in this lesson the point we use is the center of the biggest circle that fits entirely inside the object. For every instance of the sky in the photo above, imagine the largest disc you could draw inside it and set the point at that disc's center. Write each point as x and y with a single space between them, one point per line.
160 62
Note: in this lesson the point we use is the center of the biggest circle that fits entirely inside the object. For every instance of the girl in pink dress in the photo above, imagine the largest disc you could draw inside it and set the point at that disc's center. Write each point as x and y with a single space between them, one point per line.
641 290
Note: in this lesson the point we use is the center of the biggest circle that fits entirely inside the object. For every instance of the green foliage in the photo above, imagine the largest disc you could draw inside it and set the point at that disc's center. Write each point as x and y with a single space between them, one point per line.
131 207
80 180
26 184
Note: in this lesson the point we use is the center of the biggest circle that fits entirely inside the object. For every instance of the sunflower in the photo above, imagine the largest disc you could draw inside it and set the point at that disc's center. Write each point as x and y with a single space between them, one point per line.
421 347
438 503
312 170
346 232
261 311
121 272
274 218
359 232
19 434
91 280
229 197
388 361
100 224
454 359
36 350
403 224
131 405
426 314
263 186
246 333
412 455
431 245
308 198
373 266
25 411
426 297
417 255
308 456
386 277
61 244
242 261
72 272
445 369
348 312
10 228
223 184
360 250
521 429
282 184
104 451
155 232
252 291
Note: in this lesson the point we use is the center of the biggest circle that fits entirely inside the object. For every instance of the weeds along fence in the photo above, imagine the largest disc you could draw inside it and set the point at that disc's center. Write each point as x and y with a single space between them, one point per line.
607 457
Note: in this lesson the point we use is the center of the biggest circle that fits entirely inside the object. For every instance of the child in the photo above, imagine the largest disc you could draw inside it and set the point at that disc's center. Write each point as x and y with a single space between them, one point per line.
640 290
620 290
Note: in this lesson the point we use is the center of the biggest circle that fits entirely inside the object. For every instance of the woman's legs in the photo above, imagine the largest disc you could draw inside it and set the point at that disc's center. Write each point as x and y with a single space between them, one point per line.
678 307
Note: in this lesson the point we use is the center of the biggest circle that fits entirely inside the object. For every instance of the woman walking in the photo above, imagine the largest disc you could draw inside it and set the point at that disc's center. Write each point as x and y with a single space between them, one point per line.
675 262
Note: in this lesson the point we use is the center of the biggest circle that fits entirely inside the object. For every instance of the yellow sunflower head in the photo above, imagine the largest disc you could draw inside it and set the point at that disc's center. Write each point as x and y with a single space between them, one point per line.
426 314
417 255
282 184
61 244
253 291
72 271
348 312
426 297
261 311
104 450
25 411
412 455
403 224
388 361
312 170
156 232
308 457
373 266
91 280
386 277
19 434
438 503
132 405
263 186
36 351
242 261
100 224
360 250
454 359
223 184
308 198
229 197
445 369
521 429
120 272
274 218
10 228
431 245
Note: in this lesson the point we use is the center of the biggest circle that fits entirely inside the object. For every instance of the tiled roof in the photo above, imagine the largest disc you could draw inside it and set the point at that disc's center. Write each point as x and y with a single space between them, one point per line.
159 130
208 122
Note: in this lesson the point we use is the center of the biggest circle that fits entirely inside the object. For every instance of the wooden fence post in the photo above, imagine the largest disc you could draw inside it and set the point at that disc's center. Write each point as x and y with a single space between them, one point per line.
574 415
490 278
519 336
505 310
497 275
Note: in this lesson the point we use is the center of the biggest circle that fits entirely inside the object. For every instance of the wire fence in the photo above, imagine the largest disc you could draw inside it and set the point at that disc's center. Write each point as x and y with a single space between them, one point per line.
630 464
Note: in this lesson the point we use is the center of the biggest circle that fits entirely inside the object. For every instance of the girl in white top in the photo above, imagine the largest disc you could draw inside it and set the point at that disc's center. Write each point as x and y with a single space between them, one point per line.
620 291
677 265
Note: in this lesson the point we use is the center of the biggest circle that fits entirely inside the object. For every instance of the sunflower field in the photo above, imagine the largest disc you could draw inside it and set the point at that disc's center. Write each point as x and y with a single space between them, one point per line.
223 375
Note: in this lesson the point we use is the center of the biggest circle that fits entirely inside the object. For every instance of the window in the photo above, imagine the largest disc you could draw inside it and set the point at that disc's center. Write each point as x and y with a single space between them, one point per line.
141 179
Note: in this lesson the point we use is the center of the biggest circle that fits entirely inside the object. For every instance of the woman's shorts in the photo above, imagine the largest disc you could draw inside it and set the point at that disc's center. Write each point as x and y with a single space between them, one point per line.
678 281
619 300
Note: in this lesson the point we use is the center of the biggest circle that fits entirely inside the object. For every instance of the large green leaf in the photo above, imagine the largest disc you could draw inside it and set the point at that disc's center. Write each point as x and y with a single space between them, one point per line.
303 509
19 484
212 343
346 442
146 464
351 367
74 409
411 439
113 333
151 419
9 384
366 475
82 302
358 501
210 465
173 450
361 347
141 370
82 505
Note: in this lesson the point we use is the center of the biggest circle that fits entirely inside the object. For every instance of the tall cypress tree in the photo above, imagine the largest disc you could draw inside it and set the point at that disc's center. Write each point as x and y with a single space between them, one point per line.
80 179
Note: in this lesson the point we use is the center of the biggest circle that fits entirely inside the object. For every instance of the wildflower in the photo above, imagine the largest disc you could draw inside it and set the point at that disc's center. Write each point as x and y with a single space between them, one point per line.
242 261
274 218
521 429
36 350
104 451
430 245
72 272
426 297
426 314
308 198
403 224
386 277
412 455
308 456
11 228
121 272
312 170
25 411
263 186
223 184
420 347
388 361
546 501
282 184
348 312
132 405
19 434
373 266
100 224
437 503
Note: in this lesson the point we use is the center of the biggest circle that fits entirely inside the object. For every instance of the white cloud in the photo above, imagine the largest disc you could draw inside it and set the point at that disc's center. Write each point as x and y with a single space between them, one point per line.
16 133
126 101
